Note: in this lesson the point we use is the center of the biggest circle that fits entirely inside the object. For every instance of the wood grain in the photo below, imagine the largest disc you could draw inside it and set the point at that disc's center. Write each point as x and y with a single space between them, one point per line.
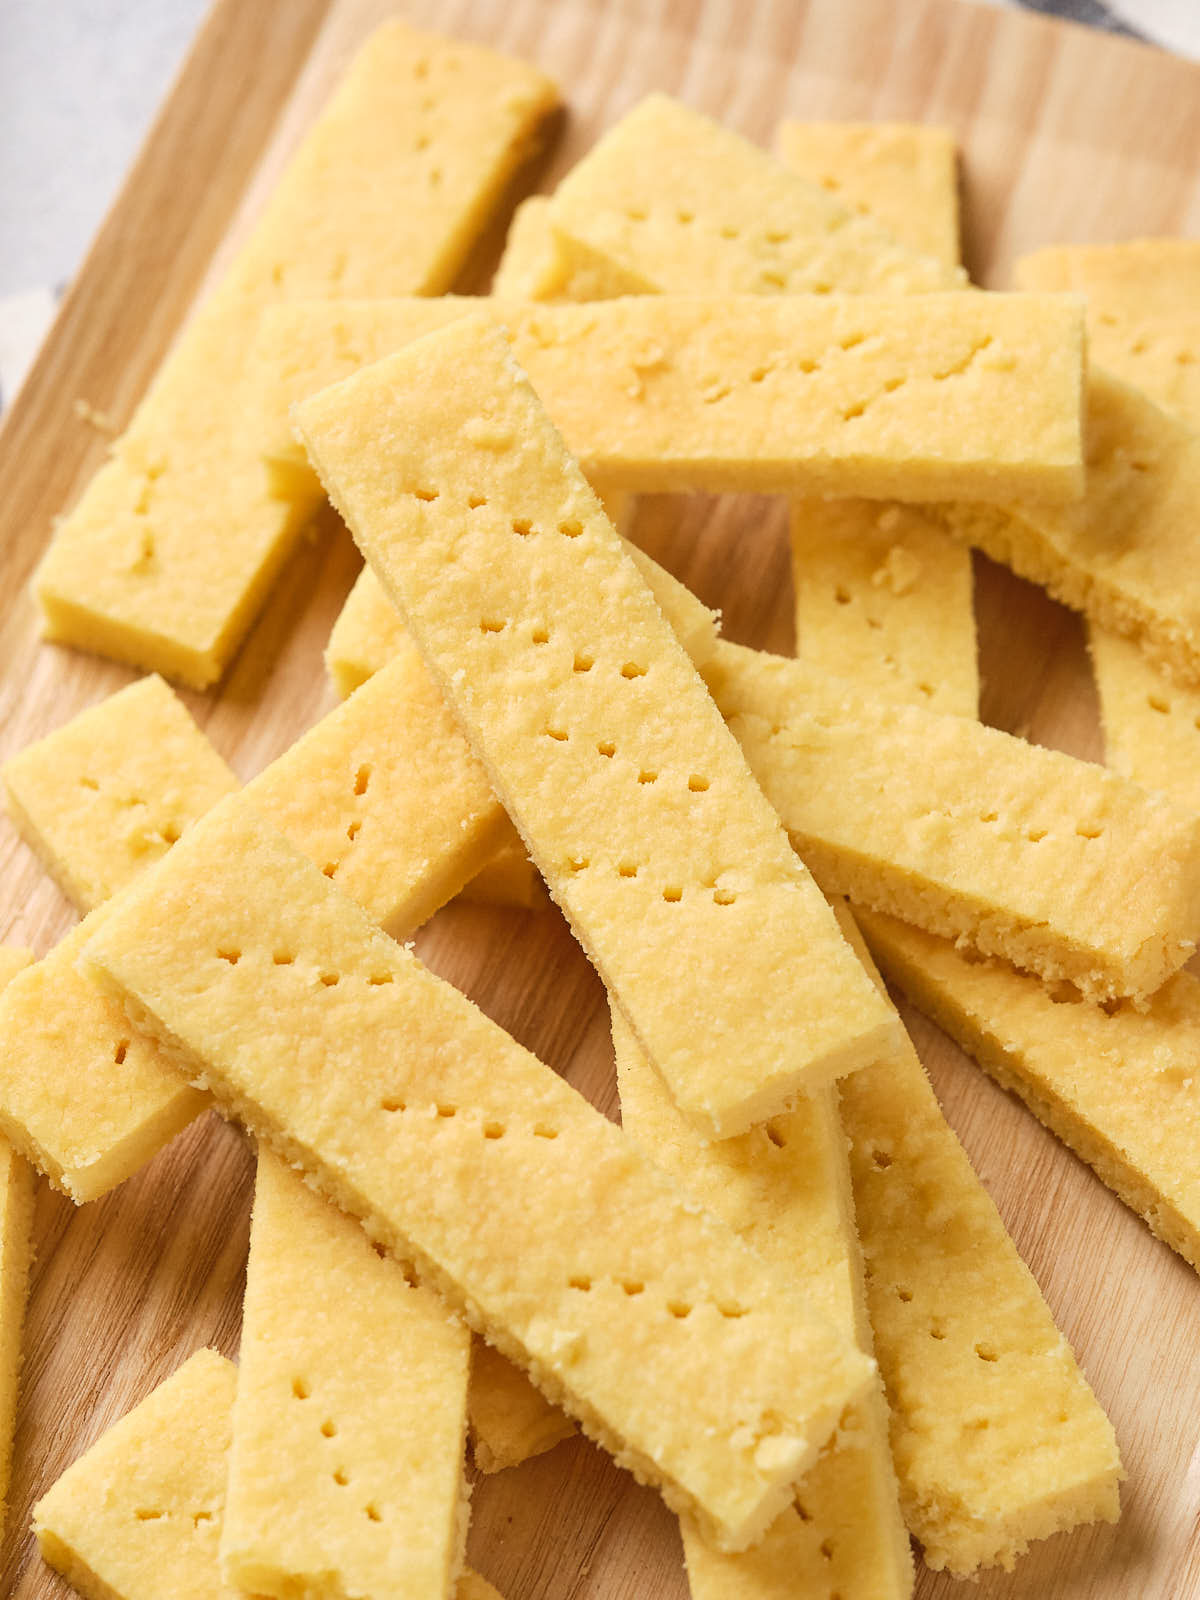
1066 135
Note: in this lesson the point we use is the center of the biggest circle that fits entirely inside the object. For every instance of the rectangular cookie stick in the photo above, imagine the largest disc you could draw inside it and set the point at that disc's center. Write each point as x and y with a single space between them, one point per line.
1115 1084
148 1498
1151 723
530 1212
368 632
904 174
883 595
346 1467
997 1438
172 548
83 1096
1019 851
785 1189
1128 554
929 397
109 792
597 733
1142 325
1157 278
674 202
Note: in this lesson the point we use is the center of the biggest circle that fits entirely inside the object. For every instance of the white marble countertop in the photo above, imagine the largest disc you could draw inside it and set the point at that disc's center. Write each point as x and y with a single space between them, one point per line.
80 81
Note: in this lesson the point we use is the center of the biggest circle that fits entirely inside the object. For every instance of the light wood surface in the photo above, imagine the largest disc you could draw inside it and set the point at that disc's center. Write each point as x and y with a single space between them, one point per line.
1066 135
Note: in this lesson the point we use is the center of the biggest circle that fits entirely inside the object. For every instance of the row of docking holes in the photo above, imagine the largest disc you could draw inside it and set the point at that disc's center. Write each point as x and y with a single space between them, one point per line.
679 1309
489 1128
1083 830
672 893
983 1350
1141 343
882 1161
769 277
569 527
154 1514
302 1390
362 779
284 958
583 662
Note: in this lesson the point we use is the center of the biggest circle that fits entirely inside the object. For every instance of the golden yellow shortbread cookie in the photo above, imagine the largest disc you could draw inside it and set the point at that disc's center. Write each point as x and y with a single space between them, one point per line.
670 200
346 1467
1016 850
932 397
140 1513
1127 553
110 791
597 733
904 174
785 1189
1113 1082
884 597
530 1212
997 1438
172 548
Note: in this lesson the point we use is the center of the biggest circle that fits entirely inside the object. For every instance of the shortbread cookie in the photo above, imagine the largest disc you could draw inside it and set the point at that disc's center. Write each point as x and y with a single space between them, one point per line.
1152 278
785 1189
140 1512
597 733
346 1467
142 1509
934 397
83 1096
1161 358
1127 553
528 1210
1151 723
996 1436
671 201
109 792
904 174
1053 863
884 597
1114 1083
174 545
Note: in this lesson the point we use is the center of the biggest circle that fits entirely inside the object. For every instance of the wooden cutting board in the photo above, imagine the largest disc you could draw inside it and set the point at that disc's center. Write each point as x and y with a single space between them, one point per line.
1066 135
